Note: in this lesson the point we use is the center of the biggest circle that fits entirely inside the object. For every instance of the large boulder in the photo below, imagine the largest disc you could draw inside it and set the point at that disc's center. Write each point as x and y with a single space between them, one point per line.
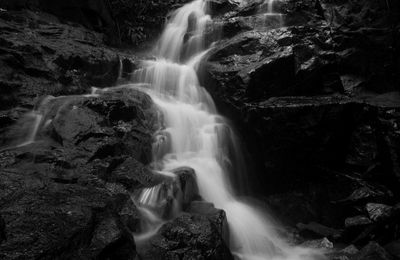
190 236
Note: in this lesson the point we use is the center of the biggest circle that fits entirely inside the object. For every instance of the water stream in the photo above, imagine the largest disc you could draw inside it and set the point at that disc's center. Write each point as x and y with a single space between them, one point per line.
196 136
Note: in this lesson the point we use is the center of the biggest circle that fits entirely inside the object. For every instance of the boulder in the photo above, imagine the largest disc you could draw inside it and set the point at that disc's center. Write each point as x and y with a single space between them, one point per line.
379 212
323 244
346 253
190 236
357 221
188 185
373 251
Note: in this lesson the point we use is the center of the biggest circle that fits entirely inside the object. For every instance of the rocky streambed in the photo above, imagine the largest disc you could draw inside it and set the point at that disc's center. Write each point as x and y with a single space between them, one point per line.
312 87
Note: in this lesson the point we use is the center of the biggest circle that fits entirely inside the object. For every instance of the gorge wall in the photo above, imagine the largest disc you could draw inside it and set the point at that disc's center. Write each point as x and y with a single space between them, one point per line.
313 91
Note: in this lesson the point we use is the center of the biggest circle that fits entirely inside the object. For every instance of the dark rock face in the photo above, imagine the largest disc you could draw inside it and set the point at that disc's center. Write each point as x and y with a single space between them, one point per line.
66 196
314 91
124 22
373 251
40 56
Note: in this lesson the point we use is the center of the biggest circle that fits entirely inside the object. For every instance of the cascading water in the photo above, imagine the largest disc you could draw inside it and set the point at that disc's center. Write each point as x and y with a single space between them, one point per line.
197 137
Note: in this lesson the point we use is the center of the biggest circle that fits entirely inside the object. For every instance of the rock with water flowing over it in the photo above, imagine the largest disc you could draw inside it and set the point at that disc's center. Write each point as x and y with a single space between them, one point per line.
188 185
42 56
69 187
190 236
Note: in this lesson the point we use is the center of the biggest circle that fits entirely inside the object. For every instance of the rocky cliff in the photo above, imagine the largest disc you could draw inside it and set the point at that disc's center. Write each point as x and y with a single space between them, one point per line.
311 85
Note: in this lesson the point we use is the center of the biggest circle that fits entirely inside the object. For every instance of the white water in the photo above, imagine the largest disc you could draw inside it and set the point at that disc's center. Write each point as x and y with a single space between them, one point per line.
195 136
270 6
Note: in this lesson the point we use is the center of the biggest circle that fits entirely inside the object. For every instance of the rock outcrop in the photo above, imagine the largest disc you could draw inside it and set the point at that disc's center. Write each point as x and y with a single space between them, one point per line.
125 23
313 86
64 196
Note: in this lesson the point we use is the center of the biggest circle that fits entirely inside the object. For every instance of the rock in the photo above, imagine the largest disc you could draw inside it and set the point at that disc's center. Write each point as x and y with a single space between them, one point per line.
69 188
113 243
323 243
188 185
318 230
216 7
298 94
345 254
123 22
2 230
41 56
190 236
50 219
364 194
292 207
133 175
202 208
379 212
140 23
350 250
393 248
357 221
373 251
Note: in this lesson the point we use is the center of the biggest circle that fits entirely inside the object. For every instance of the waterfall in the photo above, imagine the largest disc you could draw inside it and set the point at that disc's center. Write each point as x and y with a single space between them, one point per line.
196 136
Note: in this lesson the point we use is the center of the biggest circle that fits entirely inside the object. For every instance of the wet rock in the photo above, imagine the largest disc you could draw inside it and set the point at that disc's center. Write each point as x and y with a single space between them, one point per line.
2 230
373 251
112 242
66 194
133 175
357 221
42 56
317 230
292 207
299 96
365 194
323 243
217 7
140 23
188 185
345 254
379 212
393 248
50 220
123 22
190 236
